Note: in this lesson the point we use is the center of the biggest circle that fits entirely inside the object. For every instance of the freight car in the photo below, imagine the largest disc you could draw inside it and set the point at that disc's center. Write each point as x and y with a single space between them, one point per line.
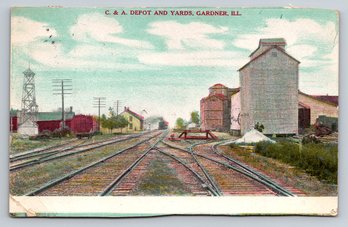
163 125
84 126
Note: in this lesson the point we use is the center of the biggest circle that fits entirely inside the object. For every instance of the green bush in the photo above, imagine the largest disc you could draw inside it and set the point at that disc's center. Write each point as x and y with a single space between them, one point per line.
316 159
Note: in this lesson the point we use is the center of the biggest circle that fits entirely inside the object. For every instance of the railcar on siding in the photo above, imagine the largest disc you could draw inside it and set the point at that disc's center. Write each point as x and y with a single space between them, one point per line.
84 126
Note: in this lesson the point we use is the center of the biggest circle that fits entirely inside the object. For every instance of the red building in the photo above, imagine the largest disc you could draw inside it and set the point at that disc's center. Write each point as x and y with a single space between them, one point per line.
13 120
215 108
50 121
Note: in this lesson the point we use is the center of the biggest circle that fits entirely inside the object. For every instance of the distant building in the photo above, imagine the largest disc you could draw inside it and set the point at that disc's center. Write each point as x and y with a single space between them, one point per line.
50 121
215 108
318 105
14 120
135 121
269 89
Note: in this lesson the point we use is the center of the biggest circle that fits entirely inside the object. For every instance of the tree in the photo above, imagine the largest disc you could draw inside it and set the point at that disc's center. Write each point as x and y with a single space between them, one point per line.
110 122
180 123
121 122
195 117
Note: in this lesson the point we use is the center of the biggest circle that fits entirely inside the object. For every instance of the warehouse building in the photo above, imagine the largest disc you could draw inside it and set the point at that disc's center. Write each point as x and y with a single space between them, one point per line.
319 105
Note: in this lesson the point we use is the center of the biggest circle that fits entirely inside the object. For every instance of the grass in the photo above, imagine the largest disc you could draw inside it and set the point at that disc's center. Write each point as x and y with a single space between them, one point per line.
316 159
281 172
160 180
19 144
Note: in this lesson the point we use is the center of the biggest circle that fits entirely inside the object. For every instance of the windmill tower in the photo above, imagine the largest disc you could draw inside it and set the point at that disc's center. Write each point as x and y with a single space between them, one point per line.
27 123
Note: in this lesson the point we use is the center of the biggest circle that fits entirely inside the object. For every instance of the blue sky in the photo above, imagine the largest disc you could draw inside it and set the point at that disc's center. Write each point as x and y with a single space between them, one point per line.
163 64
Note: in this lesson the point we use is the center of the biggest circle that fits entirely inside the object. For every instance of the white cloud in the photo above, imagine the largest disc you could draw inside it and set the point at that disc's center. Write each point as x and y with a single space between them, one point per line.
193 58
193 35
81 58
93 51
189 45
29 37
103 29
308 41
293 32
24 31
301 51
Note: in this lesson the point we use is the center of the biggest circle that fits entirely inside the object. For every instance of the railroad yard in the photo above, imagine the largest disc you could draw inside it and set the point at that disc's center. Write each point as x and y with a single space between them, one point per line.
150 164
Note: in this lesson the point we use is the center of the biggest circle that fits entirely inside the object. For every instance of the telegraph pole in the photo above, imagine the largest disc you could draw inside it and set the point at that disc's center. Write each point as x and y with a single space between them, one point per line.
99 102
62 87
117 104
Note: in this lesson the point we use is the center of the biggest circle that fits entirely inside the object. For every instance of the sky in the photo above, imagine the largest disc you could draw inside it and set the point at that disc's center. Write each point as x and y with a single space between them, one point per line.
162 64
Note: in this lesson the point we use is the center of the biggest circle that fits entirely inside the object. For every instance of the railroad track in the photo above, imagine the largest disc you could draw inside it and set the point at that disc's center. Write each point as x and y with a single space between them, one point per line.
25 154
34 158
191 161
204 173
251 171
198 185
232 179
98 178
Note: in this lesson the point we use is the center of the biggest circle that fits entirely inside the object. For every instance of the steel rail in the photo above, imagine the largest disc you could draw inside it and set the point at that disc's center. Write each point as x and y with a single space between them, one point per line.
272 185
205 185
41 152
70 175
44 159
38 150
205 172
251 170
113 185
211 180
45 154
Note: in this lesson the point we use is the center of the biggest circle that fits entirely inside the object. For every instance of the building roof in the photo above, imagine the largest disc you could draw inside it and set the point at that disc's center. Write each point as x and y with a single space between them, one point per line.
13 112
266 51
54 116
126 109
270 41
219 96
234 90
301 104
328 99
273 40
217 85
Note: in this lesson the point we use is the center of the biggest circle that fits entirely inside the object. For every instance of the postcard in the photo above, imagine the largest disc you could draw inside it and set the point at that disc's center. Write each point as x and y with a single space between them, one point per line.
125 112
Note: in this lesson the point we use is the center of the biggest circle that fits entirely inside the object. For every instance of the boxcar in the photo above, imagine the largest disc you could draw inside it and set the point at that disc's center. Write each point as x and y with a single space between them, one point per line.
83 126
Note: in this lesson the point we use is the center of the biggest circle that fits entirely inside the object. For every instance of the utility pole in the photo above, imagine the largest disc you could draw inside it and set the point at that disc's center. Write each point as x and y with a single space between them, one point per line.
99 102
117 104
62 87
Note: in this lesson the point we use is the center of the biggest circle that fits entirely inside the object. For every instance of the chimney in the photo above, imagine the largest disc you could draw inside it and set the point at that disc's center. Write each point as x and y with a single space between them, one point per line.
71 109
